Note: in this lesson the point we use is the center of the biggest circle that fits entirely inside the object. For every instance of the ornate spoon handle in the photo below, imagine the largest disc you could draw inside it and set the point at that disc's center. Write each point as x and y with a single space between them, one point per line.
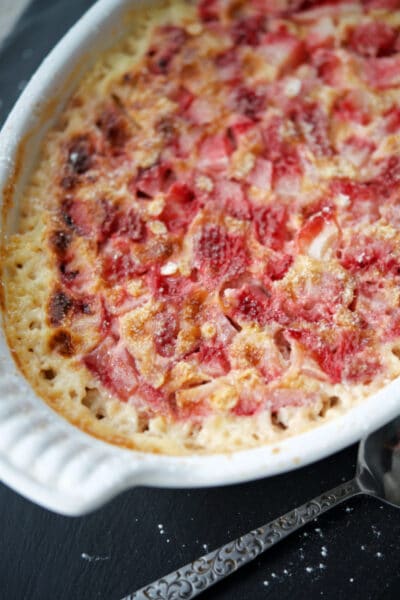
194 578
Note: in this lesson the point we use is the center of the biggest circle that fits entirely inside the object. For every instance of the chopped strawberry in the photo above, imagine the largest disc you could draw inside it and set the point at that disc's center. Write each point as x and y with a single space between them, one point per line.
318 296
357 150
277 266
202 111
214 152
183 97
248 30
165 332
157 399
353 107
132 226
329 66
220 254
363 253
180 207
118 265
253 304
373 39
276 7
153 180
314 10
129 225
392 118
382 73
283 50
273 138
384 4
209 10
247 406
79 215
321 34
341 354
229 197
213 359
228 65
187 141
270 225
287 172
389 176
312 123
318 234
261 175
169 40
241 129
248 102
173 287
114 367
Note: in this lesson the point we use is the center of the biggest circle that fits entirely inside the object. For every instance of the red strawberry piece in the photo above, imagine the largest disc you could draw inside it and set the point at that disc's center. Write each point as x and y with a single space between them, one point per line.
270 224
80 216
253 305
392 117
214 152
351 107
153 180
220 254
229 196
118 265
357 149
313 227
114 367
202 111
312 123
180 207
283 50
183 97
261 175
287 172
213 359
248 102
277 266
121 224
228 65
363 253
328 65
241 128
340 354
373 39
209 10
382 73
248 30
385 4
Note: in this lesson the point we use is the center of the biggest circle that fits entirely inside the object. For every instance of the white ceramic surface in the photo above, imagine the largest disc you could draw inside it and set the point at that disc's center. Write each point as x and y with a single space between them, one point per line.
41 455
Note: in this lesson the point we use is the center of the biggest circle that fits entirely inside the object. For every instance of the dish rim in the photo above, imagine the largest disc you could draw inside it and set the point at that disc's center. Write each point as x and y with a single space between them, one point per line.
57 465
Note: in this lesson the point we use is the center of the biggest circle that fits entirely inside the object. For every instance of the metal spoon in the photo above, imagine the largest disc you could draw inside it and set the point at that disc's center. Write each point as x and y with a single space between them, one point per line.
378 475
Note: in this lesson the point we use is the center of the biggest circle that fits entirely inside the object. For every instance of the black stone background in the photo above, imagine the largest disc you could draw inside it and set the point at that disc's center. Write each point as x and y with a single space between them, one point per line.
350 553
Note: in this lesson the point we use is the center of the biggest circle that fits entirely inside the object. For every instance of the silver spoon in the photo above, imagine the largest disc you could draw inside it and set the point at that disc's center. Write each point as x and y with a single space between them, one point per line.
378 475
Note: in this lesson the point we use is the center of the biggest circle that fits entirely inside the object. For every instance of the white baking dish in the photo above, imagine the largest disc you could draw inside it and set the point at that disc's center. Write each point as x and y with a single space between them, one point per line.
41 455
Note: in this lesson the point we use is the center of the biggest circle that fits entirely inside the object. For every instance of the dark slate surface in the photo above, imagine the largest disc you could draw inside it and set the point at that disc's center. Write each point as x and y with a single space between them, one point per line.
350 553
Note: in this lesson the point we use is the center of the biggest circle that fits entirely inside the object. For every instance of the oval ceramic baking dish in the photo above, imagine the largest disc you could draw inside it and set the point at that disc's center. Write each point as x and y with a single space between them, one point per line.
42 456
